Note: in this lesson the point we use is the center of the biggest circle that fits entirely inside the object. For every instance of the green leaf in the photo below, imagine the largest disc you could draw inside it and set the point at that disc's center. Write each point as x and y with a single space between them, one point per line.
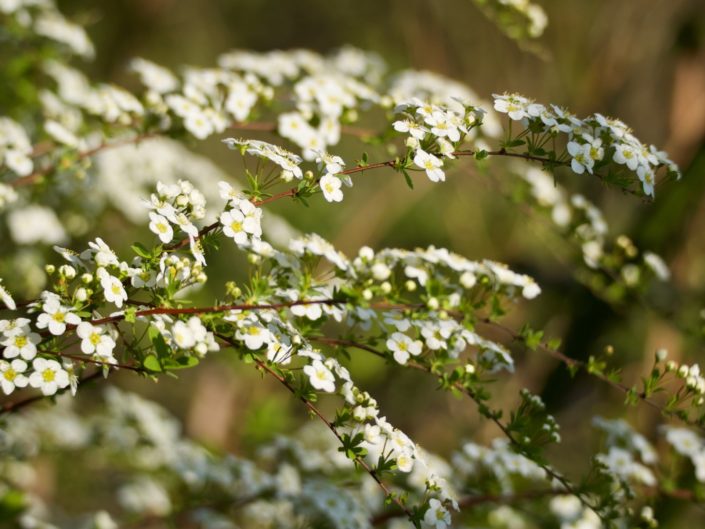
152 363
182 362
481 154
141 251
408 179
130 314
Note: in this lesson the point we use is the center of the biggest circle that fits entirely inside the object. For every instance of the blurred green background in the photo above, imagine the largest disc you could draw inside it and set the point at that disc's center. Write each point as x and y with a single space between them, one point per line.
642 61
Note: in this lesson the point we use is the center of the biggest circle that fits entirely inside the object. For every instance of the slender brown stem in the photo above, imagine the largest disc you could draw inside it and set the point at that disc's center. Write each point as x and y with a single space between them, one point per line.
11 407
33 177
311 407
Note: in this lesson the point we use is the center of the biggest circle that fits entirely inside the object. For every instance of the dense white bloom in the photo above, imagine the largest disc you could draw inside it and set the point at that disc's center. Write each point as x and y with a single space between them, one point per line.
402 346
146 497
153 76
513 105
233 226
22 344
113 290
161 227
12 375
320 376
287 160
55 317
330 185
253 334
95 340
684 441
48 376
582 160
621 463
6 298
431 164
35 224
437 515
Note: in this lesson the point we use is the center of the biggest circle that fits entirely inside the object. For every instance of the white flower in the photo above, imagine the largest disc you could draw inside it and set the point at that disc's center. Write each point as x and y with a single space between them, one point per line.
35 224
198 124
233 225
112 288
183 335
22 344
48 376
657 265
647 177
684 441
153 76
402 346
55 317
413 128
320 376
513 105
95 341
330 185
627 155
312 311
380 271
160 226
431 164
437 516
405 463
14 327
442 126
12 375
254 335
581 157
333 164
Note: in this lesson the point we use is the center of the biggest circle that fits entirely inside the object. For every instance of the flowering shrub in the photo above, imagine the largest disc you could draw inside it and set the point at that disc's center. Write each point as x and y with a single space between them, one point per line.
73 313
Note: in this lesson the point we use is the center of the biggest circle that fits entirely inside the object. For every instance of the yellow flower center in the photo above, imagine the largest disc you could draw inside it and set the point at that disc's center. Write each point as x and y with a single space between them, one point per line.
94 338
59 317
236 226
20 341
10 374
48 375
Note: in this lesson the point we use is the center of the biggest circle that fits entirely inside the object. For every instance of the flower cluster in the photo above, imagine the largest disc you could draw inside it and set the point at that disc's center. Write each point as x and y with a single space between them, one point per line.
435 132
176 206
579 218
15 149
20 348
593 142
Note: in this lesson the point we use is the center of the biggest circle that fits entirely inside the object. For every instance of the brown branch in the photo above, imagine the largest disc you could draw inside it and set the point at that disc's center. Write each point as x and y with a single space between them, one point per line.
31 178
470 393
11 407
358 460
577 364
478 499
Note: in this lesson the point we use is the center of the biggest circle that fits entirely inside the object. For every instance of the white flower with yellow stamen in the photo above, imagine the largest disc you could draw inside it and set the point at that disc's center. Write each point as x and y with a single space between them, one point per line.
12 375
48 376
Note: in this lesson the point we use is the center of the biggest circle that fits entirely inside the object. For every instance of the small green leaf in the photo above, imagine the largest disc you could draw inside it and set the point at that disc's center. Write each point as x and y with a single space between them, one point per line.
152 363
130 314
141 251
408 179
481 154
